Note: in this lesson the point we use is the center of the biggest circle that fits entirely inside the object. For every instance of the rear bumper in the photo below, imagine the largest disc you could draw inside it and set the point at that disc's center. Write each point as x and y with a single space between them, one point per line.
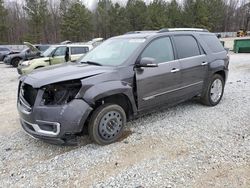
54 124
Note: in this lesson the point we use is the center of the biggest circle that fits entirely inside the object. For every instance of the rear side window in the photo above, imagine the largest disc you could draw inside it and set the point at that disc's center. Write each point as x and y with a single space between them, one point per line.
79 50
160 49
186 46
213 43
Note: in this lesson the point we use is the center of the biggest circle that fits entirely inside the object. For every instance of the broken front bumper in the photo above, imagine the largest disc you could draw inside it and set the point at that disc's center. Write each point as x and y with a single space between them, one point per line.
53 123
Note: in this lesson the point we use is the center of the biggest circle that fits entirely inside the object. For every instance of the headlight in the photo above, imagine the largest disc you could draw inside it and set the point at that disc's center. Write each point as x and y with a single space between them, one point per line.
26 63
60 93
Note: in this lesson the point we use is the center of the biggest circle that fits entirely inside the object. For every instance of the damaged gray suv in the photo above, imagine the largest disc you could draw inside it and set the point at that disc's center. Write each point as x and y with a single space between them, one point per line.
123 78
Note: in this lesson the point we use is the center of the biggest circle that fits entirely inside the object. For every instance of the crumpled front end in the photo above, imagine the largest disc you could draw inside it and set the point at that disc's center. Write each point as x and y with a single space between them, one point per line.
52 112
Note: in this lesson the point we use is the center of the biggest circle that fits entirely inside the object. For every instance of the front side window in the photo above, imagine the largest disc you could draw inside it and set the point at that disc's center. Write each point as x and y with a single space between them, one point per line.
186 46
79 50
49 51
60 51
160 49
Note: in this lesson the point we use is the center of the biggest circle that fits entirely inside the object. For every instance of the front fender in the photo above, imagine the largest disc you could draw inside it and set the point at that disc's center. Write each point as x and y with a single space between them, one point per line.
105 89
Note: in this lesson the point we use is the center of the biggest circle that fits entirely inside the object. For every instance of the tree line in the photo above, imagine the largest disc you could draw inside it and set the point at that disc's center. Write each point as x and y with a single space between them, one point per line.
50 21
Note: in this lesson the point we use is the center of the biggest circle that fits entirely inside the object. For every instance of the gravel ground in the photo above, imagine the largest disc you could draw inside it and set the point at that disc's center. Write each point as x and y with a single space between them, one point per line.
189 145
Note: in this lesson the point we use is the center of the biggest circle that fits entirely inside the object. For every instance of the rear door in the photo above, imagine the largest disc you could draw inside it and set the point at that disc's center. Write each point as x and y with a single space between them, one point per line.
193 62
159 85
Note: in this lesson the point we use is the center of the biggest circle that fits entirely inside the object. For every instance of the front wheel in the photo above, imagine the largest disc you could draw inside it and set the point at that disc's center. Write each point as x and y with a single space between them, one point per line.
15 62
214 91
106 124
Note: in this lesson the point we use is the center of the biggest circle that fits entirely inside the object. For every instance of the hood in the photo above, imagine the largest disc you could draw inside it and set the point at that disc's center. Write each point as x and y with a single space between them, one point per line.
31 46
63 72
36 60
39 60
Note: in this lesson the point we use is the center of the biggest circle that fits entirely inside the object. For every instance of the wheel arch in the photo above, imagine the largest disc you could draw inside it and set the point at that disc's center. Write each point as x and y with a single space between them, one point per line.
116 92
38 67
221 73
119 99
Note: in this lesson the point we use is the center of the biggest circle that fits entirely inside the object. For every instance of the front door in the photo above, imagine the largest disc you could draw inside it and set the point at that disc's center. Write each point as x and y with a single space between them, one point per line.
59 55
159 85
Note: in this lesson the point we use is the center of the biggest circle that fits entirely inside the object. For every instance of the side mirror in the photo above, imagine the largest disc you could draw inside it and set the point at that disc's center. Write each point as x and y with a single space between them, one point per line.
147 62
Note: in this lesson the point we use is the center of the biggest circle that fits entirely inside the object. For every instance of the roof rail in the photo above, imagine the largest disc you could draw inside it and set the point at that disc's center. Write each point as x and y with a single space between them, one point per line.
182 29
136 32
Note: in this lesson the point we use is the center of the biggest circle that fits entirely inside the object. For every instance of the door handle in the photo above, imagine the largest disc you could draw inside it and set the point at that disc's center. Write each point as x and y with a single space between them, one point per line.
204 63
174 70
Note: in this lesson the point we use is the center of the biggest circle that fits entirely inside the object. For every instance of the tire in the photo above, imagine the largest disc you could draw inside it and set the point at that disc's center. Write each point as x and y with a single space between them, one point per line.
214 91
15 62
106 124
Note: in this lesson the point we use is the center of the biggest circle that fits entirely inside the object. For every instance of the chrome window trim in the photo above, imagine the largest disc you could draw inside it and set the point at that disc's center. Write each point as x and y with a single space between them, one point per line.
192 57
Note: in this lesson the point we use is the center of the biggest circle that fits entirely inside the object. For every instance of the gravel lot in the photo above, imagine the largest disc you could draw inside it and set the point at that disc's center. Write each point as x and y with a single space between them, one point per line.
189 145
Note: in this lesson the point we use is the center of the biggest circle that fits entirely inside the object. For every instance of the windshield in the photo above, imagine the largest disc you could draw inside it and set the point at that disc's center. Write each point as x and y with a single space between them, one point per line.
48 52
112 52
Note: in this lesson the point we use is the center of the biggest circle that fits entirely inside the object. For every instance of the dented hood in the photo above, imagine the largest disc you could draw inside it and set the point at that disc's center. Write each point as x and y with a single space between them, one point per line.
62 72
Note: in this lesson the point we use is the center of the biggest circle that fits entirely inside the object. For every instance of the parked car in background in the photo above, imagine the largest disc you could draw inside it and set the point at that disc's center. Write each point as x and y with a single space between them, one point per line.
28 53
4 52
56 54
123 78
42 47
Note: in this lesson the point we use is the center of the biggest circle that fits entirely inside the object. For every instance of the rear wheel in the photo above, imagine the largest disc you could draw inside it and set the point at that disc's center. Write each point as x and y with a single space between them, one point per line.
214 91
106 124
15 62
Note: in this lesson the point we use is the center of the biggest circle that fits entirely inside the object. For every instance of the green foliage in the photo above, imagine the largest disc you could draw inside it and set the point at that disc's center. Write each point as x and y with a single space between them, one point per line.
157 17
3 26
38 16
76 23
102 15
217 11
119 22
137 14
71 20
196 14
174 14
